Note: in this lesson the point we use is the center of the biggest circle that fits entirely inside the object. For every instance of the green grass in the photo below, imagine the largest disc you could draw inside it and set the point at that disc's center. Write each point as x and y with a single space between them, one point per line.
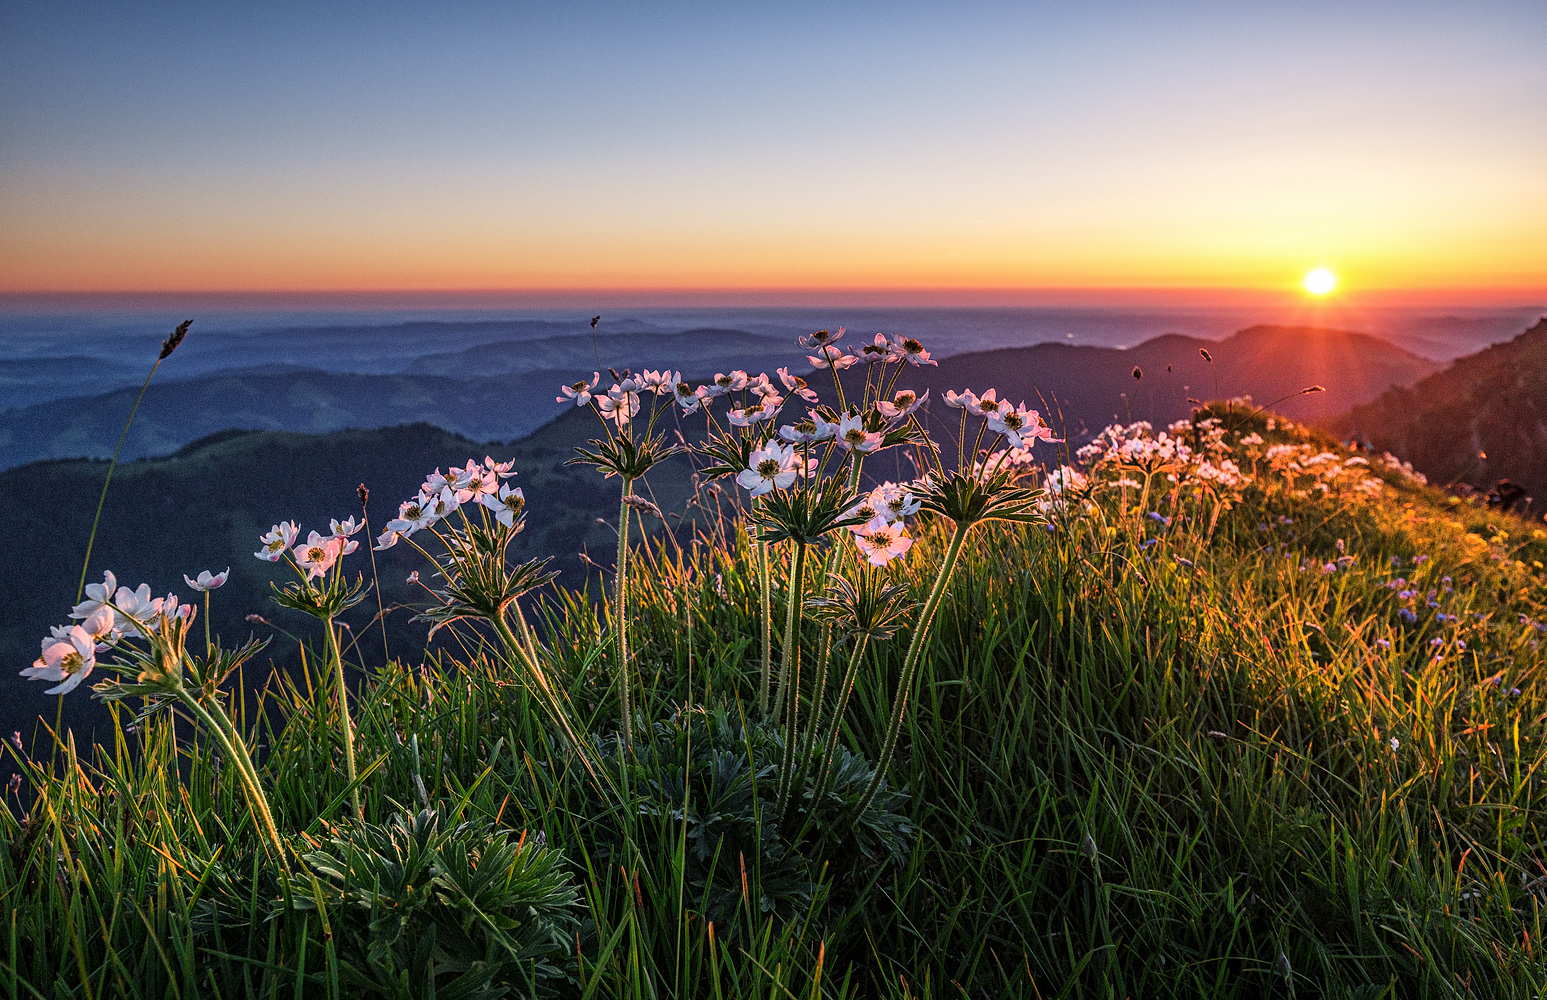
1133 768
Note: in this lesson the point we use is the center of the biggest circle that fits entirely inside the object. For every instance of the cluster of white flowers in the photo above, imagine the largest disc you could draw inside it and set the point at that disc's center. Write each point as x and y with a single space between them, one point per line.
317 554
1328 473
1062 487
884 534
1019 426
109 614
1186 451
441 494
1404 469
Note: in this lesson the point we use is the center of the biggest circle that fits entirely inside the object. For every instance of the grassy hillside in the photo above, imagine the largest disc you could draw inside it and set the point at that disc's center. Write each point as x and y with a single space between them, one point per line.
1481 420
1276 737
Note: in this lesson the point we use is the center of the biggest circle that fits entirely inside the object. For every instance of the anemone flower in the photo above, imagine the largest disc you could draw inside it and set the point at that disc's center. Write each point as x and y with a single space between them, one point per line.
797 385
69 660
909 350
317 555
964 400
831 356
881 542
852 436
208 581
276 541
902 404
772 466
578 392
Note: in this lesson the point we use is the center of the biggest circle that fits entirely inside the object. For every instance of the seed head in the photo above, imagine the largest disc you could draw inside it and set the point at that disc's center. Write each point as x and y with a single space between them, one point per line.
170 344
595 320
1137 374
363 493
1205 355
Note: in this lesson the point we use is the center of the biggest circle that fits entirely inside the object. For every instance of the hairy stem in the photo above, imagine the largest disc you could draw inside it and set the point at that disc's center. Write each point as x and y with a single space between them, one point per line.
620 615
765 578
909 667
789 667
219 723
346 726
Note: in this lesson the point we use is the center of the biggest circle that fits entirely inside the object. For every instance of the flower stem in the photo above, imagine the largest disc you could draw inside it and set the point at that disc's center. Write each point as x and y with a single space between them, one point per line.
345 725
765 578
219 723
909 667
620 615
789 667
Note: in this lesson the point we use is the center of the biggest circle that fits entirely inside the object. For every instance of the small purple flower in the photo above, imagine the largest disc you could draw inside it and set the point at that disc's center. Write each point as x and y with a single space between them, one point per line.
1420 560
1383 643
1285 520
1396 561
1407 615
1156 515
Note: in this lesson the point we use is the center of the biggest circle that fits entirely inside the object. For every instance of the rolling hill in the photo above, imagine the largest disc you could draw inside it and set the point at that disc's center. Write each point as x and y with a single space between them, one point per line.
1480 420
1089 387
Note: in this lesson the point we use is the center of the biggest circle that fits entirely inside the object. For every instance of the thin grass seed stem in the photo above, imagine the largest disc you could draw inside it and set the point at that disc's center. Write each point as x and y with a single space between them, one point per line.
346 727
909 666
91 539
620 615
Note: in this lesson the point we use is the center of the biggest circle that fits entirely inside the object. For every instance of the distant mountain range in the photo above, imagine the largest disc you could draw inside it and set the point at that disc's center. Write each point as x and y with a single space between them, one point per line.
504 390
205 506
1480 420
1085 388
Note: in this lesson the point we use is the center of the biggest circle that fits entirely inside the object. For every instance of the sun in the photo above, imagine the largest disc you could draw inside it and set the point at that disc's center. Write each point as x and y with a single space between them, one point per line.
1320 281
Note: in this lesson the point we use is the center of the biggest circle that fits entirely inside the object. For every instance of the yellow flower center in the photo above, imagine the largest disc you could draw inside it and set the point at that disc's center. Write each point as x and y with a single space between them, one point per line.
768 468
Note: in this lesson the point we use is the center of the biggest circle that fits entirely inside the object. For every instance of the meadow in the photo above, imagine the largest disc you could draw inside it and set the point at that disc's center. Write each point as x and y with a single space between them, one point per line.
1220 709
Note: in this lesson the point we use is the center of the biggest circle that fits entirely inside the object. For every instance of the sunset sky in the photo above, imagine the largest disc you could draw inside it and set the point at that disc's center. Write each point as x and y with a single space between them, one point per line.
224 146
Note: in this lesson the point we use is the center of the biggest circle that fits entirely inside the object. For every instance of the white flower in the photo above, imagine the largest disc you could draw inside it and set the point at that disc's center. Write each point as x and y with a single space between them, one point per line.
411 516
659 383
473 481
876 352
986 405
502 469
318 554
965 399
852 436
902 404
831 356
1396 744
689 398
796 385
134 606
892 502
97 594
580 391
506 505
772 466
209 581
620 405
69 660
723 383
387 539
819 338
882 542
278 539
1018 425
911 351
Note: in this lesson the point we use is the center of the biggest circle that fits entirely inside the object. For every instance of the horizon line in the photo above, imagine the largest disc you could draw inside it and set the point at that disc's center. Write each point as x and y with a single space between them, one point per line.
776 296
